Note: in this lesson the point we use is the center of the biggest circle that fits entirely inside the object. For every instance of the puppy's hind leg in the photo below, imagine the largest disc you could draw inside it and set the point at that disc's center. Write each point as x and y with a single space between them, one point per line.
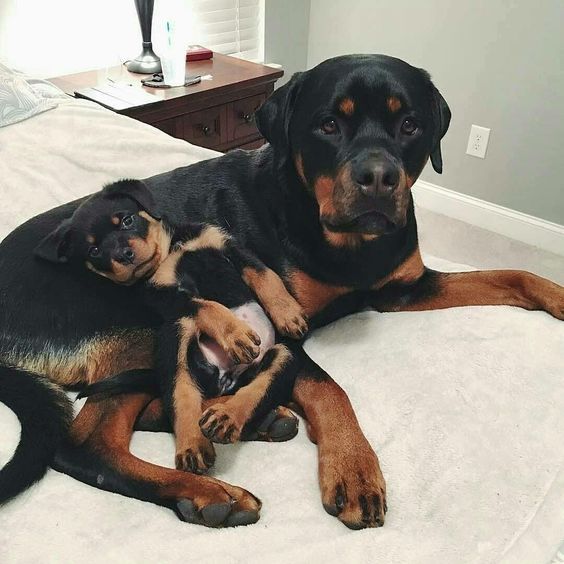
226 421
279 425
182 397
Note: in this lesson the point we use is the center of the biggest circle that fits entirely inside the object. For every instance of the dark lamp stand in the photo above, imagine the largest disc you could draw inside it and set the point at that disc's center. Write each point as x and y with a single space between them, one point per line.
147 62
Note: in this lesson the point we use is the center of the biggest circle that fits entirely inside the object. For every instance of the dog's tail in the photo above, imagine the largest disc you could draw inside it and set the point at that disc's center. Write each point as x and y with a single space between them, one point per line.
45 413
131 381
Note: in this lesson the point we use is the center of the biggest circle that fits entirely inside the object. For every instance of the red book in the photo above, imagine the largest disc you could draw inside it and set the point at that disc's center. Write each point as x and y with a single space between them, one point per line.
198 53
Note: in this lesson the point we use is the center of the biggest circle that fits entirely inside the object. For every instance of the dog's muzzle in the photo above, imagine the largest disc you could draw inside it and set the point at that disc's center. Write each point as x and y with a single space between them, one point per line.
370 196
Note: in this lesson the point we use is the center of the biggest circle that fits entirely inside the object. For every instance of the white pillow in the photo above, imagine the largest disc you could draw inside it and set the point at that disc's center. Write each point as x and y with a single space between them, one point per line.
21 99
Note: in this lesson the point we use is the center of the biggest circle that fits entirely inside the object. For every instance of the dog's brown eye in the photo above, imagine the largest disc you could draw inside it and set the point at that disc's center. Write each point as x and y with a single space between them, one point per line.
329 127
93 252
408 127
127 221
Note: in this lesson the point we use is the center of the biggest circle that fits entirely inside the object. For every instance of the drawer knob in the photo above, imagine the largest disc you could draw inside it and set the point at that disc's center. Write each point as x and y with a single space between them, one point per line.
247 118
206 129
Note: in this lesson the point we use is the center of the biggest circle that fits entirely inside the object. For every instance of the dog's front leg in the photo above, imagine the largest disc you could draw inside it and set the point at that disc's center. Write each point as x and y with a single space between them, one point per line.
352 484
439 290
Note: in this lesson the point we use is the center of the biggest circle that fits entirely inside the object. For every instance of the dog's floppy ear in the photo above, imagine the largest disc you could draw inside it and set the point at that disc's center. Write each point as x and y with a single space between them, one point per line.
135 190
55 247
273 117
441 120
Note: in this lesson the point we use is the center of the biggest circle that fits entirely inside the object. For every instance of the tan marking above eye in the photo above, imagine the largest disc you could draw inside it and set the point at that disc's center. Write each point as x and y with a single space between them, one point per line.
90 239
347 106
393 103
116 220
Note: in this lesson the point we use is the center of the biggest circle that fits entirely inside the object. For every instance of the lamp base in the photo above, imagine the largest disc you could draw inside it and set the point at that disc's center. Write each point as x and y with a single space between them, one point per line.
145 63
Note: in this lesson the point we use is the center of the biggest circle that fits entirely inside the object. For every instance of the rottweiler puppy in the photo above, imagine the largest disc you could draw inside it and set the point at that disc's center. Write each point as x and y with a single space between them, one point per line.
215 339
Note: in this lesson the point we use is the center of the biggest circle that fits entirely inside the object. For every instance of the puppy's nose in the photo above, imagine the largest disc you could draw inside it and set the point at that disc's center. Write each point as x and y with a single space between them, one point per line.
125 255
376 177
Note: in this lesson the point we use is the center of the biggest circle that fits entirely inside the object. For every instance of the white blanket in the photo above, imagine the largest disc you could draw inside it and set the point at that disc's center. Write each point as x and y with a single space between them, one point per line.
465 408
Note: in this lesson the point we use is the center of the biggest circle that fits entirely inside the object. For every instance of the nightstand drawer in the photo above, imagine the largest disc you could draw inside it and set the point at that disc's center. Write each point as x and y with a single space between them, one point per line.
241 116
207 128
171 126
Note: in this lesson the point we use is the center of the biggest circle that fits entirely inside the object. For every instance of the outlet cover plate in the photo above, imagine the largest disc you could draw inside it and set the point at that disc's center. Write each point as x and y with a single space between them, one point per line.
478 141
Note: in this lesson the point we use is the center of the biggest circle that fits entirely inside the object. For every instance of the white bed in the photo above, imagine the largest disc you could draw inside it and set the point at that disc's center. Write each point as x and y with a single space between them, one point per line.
465 408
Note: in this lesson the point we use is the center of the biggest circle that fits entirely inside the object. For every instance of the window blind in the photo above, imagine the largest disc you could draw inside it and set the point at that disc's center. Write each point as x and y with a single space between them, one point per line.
231 27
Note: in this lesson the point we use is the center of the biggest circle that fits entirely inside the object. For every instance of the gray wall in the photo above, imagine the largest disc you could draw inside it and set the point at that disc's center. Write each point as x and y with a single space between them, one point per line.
286 35
499 64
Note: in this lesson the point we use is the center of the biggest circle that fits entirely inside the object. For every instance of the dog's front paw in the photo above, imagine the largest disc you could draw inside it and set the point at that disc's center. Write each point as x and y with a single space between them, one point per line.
196 456
539 293
220 424
241 343
552 300
352 486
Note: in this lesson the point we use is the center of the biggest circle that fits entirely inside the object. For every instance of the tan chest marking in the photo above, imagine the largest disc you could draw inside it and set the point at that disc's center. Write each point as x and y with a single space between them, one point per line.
312 294
211 237
409 271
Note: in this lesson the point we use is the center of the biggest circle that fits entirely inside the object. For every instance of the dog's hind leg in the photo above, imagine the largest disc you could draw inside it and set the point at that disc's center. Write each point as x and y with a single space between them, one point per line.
271 384
153 418
97 453
279 425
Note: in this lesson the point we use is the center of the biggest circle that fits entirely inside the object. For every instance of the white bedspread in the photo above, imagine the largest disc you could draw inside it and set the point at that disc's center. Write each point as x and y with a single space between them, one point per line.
465 408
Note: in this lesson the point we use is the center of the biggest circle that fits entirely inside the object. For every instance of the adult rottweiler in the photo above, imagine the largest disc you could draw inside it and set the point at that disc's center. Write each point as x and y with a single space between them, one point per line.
327 205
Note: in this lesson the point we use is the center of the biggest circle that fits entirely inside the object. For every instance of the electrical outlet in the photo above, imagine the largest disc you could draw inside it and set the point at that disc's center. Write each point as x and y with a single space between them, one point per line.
478 141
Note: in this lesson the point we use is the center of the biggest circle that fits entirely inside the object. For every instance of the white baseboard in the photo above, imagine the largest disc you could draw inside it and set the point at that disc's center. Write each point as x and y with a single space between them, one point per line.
520 226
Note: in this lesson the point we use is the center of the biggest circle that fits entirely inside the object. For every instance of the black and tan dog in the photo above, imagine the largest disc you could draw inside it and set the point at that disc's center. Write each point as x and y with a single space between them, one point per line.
215 338
327 205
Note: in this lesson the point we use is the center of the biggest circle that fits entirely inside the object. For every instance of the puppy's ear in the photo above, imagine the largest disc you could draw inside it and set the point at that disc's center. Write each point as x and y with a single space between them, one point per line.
273 117
55 247
137 191
441 120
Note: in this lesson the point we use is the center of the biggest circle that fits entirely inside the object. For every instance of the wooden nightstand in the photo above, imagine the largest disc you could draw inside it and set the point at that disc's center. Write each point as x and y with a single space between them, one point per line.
216 113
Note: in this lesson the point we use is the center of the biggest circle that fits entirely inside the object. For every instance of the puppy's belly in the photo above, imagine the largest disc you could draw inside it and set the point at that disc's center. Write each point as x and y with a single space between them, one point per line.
253 314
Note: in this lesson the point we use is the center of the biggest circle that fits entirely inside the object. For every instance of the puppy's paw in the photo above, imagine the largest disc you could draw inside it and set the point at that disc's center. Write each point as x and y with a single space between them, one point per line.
221 424
241 343
289 318
196 456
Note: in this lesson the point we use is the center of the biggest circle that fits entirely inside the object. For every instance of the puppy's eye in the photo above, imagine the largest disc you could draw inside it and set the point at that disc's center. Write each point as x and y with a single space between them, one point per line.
409 126
127 221
93 252
329 126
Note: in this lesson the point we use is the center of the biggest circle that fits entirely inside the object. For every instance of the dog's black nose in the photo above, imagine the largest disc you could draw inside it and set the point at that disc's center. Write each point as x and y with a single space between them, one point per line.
376 176
125 255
